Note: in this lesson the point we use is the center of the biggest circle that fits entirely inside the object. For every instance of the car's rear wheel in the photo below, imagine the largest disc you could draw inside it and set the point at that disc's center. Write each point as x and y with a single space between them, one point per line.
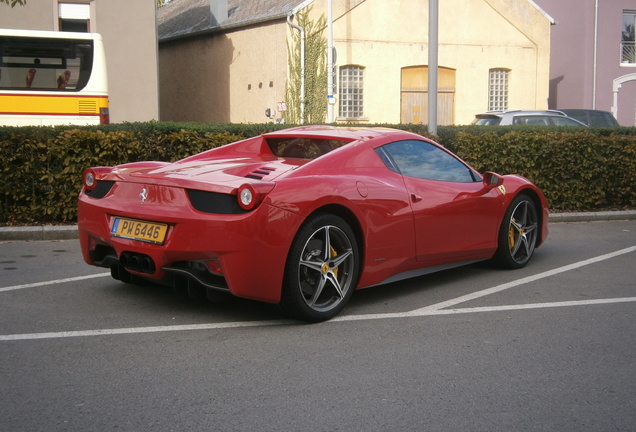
322 269
518 233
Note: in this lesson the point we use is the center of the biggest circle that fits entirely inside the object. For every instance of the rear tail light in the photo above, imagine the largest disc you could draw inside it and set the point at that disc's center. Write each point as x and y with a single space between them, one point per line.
104 116
250 195
91 176
90 179
247 197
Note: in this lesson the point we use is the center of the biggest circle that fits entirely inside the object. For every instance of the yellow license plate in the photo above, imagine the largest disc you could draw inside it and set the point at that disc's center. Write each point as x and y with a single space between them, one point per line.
139 230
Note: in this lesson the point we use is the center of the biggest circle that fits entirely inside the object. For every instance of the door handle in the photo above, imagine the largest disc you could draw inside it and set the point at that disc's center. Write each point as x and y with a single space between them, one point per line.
416 198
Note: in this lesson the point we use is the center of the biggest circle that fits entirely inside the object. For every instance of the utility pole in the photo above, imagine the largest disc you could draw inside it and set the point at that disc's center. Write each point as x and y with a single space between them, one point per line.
433 19
330 99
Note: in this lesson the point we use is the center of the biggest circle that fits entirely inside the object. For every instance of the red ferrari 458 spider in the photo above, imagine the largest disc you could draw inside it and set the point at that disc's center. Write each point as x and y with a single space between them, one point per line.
302 217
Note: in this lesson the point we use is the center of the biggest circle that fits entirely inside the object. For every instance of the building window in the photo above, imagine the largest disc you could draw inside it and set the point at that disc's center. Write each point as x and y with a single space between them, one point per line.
628 41
74 17
351 92
498 89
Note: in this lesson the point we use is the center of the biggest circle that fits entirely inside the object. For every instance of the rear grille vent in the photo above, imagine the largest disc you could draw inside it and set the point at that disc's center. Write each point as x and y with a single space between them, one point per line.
101 189
258 174
213 202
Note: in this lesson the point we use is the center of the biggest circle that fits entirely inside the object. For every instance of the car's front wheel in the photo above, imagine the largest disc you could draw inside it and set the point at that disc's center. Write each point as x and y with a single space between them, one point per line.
518 233
322 269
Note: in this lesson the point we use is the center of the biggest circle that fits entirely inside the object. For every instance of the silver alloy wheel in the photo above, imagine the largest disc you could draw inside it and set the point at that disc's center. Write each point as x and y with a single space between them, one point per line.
326 268
522 231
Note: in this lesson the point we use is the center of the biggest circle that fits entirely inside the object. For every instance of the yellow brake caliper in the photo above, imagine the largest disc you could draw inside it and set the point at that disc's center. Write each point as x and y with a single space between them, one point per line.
511 235
333 255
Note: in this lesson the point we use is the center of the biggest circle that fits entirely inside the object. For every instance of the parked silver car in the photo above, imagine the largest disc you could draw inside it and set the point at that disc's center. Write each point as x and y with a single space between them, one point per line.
526 118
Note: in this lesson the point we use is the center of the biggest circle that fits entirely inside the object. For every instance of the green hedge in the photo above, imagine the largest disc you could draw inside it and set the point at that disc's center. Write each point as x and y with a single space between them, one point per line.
41 167
576 171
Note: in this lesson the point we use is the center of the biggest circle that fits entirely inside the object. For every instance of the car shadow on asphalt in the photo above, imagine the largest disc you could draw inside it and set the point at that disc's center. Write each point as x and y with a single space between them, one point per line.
433 288
166 300
401 296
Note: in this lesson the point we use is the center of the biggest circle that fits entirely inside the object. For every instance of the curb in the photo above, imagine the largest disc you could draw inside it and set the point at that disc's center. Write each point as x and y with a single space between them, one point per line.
593 216
69 232
44 232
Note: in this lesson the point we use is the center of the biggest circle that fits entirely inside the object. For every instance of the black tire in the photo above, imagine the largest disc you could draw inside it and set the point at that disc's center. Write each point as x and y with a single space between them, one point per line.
518 234
322 269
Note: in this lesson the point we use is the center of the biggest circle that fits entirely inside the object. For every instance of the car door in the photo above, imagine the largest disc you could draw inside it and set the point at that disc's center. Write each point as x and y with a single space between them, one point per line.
456 215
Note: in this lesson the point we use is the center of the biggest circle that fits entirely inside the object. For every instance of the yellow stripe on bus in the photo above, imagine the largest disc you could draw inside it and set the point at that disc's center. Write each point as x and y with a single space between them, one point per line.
52 104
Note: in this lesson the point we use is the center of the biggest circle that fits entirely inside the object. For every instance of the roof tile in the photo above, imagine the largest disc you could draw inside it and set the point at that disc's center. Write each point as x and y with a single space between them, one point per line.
181 18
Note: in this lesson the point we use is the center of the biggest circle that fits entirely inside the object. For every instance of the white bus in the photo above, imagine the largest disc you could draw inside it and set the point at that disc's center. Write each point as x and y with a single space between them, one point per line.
52 78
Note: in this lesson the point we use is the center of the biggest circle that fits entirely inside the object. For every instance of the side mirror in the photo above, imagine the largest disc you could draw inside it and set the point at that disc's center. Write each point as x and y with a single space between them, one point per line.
492 179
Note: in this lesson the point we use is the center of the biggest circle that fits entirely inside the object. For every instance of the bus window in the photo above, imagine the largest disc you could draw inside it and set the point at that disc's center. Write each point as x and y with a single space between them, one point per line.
52 78
45 64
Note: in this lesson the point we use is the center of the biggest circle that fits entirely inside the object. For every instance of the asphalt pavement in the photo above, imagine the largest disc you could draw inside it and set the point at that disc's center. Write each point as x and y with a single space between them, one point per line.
549 347
69 232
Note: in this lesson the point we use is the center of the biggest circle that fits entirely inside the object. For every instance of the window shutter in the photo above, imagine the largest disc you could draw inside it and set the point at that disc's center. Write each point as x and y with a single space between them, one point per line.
75 11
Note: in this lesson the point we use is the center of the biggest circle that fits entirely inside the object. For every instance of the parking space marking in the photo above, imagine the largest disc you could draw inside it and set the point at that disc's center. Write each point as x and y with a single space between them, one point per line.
434 312
139 330
522 281
533 306
436 309
53 282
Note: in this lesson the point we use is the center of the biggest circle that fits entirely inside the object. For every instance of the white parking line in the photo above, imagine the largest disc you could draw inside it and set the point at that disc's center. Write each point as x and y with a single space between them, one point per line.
436 309
533 306
433 312
53 282
522 281
138 330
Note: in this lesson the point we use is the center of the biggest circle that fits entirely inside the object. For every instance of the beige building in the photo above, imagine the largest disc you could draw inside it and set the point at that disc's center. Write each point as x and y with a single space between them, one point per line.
128 29
227 60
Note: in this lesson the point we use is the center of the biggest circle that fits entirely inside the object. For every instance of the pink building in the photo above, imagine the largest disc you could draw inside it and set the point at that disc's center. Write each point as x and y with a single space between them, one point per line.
593 57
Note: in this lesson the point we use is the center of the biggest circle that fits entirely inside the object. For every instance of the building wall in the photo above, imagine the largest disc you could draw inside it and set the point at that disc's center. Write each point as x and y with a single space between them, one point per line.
130 40
194 78
224 77
473 38
259 84
128 30
38 15
577 79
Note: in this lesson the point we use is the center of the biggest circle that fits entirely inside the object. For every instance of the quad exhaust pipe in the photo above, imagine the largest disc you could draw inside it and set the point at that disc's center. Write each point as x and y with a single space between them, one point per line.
137 262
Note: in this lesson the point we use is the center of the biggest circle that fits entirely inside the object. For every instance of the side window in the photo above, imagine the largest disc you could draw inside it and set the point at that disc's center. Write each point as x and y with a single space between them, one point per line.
529 121
563 121
423 160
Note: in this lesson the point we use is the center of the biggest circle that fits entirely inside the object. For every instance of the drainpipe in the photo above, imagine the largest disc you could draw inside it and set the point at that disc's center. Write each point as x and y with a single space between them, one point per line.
433 37
330 56
595 53
302 64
